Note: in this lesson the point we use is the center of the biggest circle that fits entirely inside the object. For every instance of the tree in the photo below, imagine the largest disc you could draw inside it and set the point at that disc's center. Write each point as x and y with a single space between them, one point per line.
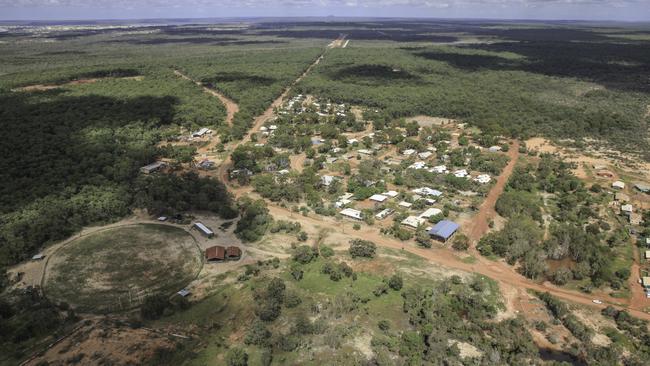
461 242
396 282
362 248
423 238
304 254
153 306
236 357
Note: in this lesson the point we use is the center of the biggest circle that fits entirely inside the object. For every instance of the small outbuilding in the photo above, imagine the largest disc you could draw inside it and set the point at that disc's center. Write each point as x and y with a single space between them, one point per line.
153 167
618 185
233 252
215 254
444 230
183 293
352 213
204 230
38 257
642 187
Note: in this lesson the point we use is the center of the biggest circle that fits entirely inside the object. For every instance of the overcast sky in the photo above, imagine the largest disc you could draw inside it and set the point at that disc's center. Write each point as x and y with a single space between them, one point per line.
629 10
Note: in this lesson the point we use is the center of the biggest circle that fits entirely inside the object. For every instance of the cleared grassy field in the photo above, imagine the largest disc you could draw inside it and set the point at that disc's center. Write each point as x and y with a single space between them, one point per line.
115 269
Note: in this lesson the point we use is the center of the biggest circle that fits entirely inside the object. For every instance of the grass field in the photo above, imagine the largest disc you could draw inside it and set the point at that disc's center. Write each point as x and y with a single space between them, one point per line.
115 269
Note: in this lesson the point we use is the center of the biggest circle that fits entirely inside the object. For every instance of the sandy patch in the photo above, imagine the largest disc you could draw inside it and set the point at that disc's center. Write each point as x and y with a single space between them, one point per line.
428 121
466 350
42 87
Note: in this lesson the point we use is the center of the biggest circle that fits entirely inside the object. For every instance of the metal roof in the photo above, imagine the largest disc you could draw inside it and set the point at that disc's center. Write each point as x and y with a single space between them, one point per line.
444 229
203 228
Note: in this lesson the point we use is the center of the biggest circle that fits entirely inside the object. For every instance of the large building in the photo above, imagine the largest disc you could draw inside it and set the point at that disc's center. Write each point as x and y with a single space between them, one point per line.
215 254
444 230
153 167
204 230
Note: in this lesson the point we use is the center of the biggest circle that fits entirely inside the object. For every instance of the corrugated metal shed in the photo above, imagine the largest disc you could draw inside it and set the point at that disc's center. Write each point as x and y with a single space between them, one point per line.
444 229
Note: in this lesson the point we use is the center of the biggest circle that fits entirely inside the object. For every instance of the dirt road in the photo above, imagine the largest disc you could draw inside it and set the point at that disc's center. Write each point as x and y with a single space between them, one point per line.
480 223
231 106
638 298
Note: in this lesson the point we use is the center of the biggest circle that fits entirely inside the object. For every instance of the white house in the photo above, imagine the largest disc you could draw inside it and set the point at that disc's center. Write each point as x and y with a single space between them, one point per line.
413 221
342 202
627 208
461 173
408 152
405 204
202 132
351 213
378 198
346 196
352 141
273 127
440 169
618 185
327 180
483 179
426 191
418 165
364 151
425 155
430 212
384 213
494 148
391 194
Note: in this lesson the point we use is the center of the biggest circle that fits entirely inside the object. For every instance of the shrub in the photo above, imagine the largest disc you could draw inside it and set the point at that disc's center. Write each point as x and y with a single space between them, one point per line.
236 357
461 242
326 251
362 248
396 282
154 306
304 254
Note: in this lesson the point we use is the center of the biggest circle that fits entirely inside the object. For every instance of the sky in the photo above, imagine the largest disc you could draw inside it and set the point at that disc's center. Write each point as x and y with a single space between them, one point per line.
623 10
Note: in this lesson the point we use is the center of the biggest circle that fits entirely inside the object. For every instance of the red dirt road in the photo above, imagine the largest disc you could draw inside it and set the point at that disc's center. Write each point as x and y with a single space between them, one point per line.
231 106
479 224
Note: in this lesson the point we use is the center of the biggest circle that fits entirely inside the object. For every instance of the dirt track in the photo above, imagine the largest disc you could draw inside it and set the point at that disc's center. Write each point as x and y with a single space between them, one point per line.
231 106
480 223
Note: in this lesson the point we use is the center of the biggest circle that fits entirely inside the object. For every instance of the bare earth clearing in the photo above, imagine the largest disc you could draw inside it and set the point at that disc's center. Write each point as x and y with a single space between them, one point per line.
42 87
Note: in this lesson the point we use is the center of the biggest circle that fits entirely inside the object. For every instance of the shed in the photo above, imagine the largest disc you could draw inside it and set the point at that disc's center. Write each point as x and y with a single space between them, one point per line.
647 254
384 213
153 167
642 187
204 230
215 254
233 252
38 257
444 230
183 293
618 185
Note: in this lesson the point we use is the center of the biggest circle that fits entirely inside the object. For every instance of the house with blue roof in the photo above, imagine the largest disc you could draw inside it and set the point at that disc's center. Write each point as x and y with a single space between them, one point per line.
444 230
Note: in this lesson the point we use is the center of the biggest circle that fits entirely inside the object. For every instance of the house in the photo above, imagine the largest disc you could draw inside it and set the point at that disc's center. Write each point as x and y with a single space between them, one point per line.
483 179
38 257
426 191
647 242
408 152
273 127
405 204
413 221
346 196
162 218
352 141
327 180
642 187
618 185
444 230
425 155
378 198
621 197
351 213
430 212
647 254
494 148
331 160
202 132
204 230
342 202
635 218
183 293
391 194
418 165
240 173
206 164
364 151
215 254
461 173
153 167
384 214
440 169
233 252
628 209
